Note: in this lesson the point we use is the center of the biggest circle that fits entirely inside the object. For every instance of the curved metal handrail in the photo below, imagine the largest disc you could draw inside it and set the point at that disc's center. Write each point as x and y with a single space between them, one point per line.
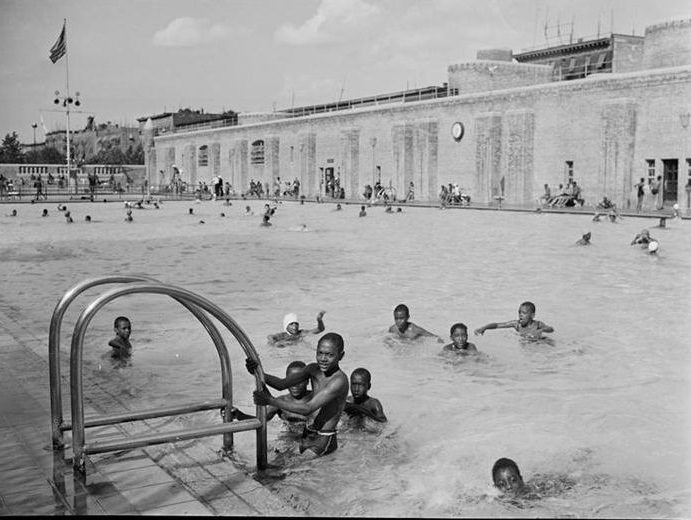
57 419
76 351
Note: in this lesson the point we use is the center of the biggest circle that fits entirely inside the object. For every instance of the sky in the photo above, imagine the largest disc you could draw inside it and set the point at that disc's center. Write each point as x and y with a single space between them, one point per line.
135 58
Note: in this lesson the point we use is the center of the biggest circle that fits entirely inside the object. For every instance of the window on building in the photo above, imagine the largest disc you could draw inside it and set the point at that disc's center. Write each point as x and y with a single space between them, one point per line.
587 64
688 171
203 159
257 154
572 64
651 169
569 171
601 60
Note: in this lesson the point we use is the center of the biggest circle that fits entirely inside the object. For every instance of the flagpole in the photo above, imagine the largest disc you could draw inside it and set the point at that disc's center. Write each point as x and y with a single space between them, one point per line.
67 111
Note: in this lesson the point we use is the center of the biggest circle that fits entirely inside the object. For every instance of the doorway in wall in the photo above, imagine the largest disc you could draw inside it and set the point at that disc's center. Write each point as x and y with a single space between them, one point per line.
670 174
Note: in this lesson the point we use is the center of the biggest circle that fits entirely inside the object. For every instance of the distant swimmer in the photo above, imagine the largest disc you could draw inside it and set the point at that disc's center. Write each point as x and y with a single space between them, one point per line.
525 325
584 240
403 328
129 218
363 212
87 218
121 342
13 213
265 221
388 209
223 214
292 331
459 341
507 477
248 211
338 207
190 211
62 207
642 238
45 213
202 222
68 217
360 403
330 390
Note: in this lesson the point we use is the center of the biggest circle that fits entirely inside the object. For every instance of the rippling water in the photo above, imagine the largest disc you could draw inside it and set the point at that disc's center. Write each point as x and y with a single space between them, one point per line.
604 404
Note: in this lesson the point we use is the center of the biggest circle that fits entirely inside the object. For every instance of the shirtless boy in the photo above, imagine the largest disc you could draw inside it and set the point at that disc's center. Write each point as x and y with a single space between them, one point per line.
525 325
459 341
121 342
403 328
507 477
360 403
296 394
293 332
329 393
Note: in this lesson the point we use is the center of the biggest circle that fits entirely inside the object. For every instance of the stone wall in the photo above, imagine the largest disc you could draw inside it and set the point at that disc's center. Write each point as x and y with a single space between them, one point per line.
485 76
667 45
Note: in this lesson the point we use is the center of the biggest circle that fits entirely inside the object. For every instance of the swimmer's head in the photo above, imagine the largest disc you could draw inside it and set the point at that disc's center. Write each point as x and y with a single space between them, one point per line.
459 334
360 383
586 236
123 327
291 323
191 211
507 477
247 209
87 218
299 390
338 206
223 214
330 350
399 210
14 212
401 314
526 312
45 213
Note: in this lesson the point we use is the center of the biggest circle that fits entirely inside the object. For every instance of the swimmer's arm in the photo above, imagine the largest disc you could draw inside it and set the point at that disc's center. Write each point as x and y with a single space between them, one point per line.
320 323
373 409
489 326
543 327
320 399
282 383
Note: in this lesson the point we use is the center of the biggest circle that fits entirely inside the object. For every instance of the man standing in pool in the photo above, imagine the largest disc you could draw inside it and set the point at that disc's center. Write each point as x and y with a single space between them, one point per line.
402 328
525 325
329 394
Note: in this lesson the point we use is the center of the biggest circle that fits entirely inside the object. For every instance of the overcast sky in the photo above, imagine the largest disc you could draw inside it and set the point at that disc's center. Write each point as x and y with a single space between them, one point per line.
133 58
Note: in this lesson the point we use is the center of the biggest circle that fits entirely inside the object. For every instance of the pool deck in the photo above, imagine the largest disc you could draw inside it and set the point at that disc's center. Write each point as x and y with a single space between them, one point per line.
171 479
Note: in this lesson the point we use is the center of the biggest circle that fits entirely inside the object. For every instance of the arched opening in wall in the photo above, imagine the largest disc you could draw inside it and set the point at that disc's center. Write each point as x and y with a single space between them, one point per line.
203 157
257 153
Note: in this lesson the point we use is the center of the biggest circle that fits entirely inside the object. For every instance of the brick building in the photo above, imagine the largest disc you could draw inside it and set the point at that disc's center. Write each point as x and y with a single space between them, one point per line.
603 112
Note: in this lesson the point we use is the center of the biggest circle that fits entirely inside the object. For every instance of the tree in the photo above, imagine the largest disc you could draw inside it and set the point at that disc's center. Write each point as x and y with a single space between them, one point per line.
11 149
51 155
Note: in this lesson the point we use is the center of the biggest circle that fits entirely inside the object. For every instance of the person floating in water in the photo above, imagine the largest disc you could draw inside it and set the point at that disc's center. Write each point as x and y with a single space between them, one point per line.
584 240
292 331
525 325
360 403
129 218
68 217
338 207
12 214
121 345
642 238
459 341
330 390
265 221
45 212
363 212
403 328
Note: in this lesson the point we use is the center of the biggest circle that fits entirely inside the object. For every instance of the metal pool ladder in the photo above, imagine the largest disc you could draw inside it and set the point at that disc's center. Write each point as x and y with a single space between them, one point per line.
198 306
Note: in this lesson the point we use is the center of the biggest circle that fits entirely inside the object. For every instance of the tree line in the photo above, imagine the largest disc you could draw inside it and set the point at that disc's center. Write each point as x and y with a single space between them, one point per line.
11 152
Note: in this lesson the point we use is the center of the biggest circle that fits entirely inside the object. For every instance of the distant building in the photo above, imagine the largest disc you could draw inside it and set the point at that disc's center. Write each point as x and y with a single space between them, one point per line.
604 112
186 120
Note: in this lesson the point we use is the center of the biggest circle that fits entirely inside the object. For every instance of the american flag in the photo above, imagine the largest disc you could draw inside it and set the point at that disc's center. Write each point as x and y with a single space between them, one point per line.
58 50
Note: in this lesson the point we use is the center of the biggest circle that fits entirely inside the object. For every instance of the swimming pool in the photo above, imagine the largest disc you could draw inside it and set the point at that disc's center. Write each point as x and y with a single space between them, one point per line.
606 403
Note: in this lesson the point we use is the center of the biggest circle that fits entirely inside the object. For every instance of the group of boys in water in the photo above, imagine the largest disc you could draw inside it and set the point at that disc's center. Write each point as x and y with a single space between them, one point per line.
317 410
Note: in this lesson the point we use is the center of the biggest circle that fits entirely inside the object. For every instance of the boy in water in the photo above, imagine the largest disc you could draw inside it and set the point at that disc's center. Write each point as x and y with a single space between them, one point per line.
121 342
293 332
363 212
459 341
507 477
525 325
296 394
584 240
403 328
360 403
329 393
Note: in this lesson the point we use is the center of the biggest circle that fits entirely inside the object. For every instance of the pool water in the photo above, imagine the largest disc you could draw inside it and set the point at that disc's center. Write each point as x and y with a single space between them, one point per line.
604 404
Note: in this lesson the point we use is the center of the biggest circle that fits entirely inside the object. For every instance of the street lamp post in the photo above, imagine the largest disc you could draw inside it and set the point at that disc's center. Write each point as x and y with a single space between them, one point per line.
67 101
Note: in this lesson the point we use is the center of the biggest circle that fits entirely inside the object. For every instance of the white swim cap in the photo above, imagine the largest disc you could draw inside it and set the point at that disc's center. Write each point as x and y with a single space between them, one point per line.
653 246
289 318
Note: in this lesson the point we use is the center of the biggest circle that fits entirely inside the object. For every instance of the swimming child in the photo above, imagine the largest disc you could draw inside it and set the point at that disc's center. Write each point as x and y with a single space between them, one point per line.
13 214
403 328
584 240
525 325
338 207
459 341
265 221
507 477
190 211
45 212
292 331
129 218
362 213
642 238
121 342
330 390
248 211
360 403
296 394
68 217
87 218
